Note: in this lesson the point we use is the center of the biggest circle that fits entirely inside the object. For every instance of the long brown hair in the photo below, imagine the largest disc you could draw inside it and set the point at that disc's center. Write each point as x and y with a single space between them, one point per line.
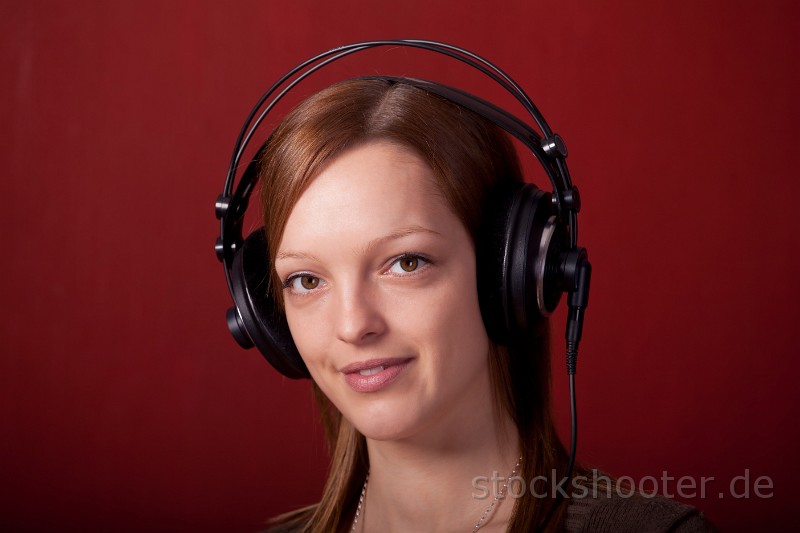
469 157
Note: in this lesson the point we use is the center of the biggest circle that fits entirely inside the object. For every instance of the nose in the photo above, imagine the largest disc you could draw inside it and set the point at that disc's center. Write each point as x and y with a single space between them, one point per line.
360 319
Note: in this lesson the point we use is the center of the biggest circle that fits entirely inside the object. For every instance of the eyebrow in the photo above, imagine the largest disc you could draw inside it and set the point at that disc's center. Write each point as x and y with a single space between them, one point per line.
397 234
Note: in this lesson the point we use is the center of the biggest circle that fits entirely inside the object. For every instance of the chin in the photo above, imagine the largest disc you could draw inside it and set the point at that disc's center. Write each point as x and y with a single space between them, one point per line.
378 425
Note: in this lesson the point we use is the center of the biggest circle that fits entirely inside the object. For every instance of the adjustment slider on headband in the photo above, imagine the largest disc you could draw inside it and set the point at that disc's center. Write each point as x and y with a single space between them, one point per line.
231 215
219 249
569 199
554 146
221 205
220 210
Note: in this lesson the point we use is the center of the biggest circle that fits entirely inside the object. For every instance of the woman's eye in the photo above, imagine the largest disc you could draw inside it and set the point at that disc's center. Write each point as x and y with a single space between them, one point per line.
302 283
406 264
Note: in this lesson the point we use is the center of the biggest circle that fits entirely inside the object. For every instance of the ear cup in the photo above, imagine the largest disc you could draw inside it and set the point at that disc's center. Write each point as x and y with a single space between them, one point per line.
517 261
534 240
256 316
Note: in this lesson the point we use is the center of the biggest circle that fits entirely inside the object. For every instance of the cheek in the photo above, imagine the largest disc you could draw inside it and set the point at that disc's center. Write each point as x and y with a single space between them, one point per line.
309 332
451 319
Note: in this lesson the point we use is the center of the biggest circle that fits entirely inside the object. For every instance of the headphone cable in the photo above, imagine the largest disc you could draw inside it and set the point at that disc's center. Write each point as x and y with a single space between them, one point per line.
578 273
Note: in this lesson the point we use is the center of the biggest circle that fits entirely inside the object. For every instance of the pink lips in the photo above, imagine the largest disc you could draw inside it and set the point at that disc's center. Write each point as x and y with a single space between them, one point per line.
373 375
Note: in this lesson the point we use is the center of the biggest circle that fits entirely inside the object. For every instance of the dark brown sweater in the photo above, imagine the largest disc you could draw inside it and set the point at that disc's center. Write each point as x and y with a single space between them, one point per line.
613 513
635 514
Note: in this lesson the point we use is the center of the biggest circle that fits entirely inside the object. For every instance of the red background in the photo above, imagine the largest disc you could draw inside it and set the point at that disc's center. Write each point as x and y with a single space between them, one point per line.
124 403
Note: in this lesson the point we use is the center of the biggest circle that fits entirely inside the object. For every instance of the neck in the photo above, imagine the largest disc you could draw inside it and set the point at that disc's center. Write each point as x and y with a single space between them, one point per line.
444 479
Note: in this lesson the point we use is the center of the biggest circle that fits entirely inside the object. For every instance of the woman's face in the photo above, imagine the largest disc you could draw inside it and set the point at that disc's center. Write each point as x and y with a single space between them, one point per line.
381 296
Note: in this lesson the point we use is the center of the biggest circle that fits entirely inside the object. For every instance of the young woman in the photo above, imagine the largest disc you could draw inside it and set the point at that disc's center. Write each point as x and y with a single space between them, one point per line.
373 195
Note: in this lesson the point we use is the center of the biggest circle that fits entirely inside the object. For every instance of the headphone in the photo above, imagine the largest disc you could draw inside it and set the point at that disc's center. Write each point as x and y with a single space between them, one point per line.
527 253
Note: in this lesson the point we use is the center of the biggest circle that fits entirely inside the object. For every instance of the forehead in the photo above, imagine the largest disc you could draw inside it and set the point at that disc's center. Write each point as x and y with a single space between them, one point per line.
370 189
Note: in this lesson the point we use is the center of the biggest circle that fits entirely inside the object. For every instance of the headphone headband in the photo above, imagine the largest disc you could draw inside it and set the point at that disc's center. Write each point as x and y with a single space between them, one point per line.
549 148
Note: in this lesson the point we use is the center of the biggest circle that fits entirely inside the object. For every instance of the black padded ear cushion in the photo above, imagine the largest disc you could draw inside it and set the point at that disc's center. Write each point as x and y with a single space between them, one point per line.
491 251
262 320
516 257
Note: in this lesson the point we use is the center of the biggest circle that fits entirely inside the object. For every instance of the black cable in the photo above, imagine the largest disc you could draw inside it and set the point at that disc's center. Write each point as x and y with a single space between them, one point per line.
573 440
573 448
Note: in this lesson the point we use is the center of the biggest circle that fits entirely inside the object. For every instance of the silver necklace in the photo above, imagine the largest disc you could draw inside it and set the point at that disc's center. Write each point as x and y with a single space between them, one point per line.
500 495
360 504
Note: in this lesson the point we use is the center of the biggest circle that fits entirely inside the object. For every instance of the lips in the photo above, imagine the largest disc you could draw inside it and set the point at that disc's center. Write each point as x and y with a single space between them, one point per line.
375 374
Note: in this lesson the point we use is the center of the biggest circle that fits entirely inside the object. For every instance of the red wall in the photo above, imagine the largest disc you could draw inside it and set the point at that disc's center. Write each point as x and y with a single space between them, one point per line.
126 406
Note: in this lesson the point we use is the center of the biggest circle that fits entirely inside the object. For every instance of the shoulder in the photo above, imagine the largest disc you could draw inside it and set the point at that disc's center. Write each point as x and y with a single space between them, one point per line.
616 511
